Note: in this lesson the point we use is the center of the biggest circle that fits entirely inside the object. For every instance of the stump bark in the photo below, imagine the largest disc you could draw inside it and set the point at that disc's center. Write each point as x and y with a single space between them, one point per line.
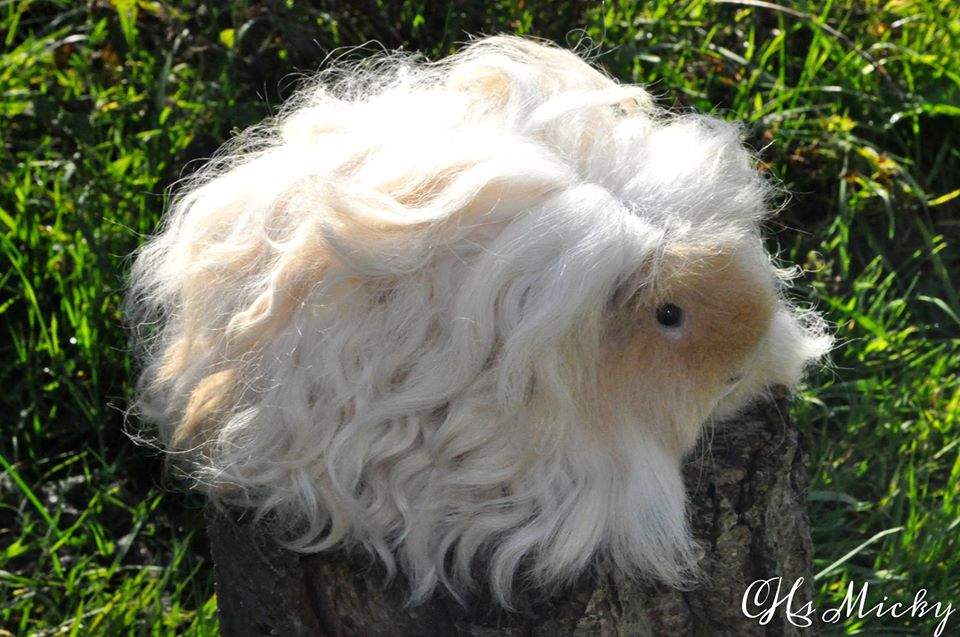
748 511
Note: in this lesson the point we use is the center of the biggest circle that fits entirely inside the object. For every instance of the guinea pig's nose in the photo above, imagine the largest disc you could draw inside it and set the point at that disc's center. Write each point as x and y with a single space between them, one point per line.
733 380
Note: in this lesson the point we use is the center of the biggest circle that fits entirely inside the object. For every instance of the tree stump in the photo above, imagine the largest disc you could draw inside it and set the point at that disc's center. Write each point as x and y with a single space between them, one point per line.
747 506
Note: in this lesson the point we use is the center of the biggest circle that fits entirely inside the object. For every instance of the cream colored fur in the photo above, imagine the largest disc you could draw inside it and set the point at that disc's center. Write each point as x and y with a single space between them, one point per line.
416 313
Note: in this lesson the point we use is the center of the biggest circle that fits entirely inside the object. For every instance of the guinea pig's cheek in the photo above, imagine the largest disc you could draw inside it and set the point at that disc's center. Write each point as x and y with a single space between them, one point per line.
749 381
735 339
698 362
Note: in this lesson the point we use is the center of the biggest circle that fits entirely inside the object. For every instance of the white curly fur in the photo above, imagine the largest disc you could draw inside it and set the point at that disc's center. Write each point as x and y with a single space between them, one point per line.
416 313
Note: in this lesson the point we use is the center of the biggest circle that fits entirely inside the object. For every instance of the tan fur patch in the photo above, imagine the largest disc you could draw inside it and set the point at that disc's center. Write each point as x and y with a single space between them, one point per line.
210 395
674 375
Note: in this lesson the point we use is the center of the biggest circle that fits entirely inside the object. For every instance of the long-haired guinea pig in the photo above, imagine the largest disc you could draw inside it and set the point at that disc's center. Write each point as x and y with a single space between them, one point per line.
468 315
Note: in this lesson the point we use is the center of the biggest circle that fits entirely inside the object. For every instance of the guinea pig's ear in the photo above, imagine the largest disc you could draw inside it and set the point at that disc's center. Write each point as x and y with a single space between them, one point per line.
684 257
629 287
653 274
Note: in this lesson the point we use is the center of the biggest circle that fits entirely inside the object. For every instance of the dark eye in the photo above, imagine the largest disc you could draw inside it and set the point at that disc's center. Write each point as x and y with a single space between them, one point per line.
669 315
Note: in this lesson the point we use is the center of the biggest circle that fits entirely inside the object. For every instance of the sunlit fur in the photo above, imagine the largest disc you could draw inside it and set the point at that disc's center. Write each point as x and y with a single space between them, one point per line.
416 313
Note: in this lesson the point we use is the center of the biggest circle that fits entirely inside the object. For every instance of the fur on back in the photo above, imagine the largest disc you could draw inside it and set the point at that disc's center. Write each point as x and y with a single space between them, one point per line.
415 313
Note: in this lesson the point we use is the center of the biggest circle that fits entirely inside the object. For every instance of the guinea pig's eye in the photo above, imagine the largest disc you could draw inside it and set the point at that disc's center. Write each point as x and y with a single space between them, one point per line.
669 315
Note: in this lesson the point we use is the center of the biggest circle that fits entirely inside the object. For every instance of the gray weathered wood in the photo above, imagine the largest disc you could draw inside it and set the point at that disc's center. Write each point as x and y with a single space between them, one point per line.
748 511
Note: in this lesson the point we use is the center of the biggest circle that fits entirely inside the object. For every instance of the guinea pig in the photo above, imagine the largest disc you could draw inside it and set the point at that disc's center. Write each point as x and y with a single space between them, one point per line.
468 315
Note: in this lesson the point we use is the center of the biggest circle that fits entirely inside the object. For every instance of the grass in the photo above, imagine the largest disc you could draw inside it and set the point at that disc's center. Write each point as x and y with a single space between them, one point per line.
103 105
